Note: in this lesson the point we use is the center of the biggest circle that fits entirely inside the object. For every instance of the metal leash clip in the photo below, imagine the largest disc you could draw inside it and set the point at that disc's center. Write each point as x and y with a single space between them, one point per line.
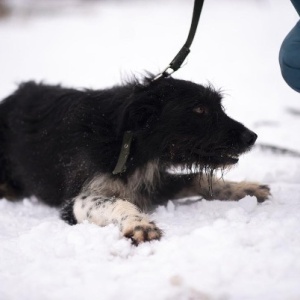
185 50
168 71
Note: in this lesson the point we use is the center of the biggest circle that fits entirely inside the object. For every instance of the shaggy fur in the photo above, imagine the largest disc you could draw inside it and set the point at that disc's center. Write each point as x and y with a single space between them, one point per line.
61 145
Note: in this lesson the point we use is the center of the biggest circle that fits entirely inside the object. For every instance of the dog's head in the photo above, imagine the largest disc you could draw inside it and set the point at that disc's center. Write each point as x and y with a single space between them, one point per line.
183 123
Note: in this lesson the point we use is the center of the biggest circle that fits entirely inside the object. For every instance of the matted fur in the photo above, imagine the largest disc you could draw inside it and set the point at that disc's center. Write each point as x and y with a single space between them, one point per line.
62 145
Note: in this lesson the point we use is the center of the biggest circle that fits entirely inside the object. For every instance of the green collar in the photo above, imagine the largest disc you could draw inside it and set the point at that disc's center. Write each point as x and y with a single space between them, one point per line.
124 153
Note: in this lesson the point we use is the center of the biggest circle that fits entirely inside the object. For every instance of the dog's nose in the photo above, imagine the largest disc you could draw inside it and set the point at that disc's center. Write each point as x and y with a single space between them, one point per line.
249 137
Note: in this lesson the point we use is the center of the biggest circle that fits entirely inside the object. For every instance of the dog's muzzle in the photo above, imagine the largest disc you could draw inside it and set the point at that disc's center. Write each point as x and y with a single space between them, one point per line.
229 155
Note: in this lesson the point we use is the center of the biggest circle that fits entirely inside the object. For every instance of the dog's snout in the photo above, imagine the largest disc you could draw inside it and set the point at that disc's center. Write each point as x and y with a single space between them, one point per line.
249 137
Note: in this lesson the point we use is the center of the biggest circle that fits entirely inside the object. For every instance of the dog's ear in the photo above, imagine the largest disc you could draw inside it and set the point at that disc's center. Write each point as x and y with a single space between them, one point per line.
139 116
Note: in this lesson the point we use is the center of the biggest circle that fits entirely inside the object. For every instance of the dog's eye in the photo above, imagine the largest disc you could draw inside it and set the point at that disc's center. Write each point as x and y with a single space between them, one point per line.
200 110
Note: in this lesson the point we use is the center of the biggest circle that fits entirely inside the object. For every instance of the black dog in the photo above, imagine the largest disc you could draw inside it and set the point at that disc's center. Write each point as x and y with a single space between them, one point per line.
63 146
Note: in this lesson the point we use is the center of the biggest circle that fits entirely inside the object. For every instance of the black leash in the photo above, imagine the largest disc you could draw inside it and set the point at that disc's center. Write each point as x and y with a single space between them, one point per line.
176 63
172 67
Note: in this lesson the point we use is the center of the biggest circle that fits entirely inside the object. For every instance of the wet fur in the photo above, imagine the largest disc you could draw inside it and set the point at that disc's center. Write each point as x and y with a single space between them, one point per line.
61 145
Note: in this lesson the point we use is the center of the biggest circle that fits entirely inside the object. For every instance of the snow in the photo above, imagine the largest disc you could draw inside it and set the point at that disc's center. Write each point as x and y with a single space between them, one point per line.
210 250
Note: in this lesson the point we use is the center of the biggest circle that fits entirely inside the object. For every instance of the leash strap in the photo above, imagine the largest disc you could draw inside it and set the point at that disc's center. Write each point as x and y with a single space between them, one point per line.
176 63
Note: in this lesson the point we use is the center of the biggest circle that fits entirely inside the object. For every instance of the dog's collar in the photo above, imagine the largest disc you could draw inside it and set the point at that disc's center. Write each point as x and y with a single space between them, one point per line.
124 153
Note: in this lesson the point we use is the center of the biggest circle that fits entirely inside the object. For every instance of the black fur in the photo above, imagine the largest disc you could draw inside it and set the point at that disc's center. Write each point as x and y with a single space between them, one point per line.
54 140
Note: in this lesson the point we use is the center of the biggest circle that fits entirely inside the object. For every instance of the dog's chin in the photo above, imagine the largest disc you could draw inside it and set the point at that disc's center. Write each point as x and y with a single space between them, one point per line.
205 161
216 159
212 159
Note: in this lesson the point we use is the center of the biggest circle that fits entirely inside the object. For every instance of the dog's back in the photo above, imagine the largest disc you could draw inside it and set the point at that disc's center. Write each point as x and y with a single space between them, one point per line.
45 140
2 161
8 189
28 125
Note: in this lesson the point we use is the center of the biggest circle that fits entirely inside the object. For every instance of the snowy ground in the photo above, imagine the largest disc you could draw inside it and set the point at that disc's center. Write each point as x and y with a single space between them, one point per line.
211 250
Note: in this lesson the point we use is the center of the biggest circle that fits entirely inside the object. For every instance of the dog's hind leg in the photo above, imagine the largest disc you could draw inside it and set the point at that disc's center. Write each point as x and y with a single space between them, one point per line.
6 191
8 188
213 188
102 210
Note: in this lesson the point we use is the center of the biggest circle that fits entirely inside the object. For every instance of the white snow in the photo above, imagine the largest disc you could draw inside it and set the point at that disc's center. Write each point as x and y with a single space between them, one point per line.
210 250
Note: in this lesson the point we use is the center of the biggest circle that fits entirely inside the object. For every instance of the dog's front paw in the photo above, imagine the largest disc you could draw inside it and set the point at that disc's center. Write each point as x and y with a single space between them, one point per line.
141 230
261 192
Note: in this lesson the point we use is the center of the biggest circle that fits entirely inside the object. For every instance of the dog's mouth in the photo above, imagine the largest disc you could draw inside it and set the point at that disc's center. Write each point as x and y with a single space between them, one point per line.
217 157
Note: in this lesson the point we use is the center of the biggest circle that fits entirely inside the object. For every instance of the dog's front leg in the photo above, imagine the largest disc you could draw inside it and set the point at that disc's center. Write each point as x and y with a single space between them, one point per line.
220 189
211 188
103 210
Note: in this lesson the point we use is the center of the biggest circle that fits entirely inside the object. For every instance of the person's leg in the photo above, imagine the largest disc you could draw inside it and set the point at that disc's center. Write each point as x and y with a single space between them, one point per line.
296 4
289 58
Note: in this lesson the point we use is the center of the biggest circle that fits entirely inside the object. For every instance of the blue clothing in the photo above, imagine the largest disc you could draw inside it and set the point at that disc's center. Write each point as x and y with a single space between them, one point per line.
296 4
289 55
